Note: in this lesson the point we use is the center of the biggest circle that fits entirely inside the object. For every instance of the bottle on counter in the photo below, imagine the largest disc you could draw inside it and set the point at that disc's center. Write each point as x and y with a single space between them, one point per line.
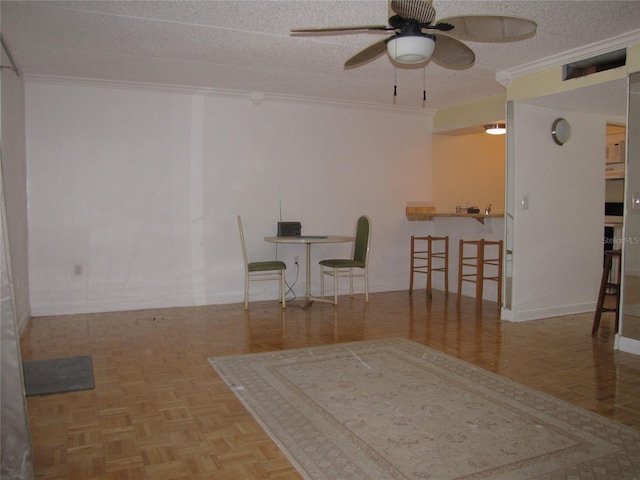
487 210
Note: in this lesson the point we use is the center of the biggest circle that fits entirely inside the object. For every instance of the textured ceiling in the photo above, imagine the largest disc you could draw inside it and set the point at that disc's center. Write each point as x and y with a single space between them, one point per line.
246 46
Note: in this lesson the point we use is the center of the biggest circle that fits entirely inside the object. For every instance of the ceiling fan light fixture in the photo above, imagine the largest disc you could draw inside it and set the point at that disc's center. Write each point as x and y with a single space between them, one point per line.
411 48
495 129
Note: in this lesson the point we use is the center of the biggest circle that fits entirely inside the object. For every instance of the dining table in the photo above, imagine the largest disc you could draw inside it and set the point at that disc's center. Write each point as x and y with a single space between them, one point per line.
309 240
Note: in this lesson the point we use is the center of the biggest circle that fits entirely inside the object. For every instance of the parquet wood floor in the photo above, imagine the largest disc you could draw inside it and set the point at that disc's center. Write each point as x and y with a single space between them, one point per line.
159 411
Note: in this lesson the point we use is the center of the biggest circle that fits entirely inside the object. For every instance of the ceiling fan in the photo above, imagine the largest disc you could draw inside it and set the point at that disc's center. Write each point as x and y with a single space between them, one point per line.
417 38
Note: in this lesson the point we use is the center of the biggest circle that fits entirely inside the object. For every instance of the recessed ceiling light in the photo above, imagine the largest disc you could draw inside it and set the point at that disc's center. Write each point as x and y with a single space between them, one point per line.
495 129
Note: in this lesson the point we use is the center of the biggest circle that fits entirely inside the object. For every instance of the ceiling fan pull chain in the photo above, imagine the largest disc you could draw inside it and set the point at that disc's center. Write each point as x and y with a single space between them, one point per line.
424 87
395 84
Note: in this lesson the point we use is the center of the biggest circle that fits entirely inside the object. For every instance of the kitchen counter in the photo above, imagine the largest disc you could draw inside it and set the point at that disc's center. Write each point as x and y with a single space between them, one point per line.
419 217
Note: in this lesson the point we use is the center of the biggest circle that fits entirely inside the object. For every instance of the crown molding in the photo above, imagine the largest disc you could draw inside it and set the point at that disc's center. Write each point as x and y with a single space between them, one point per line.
254 97
598 48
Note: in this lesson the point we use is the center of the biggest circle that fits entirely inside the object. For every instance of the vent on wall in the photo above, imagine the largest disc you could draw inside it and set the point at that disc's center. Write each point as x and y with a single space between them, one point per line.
599 63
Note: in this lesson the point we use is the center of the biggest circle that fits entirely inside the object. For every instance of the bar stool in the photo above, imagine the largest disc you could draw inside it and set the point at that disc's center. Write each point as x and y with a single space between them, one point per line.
428 255
608 284
478 262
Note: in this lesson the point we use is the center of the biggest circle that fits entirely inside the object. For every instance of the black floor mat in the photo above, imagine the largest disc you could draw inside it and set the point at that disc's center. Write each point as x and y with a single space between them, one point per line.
58 375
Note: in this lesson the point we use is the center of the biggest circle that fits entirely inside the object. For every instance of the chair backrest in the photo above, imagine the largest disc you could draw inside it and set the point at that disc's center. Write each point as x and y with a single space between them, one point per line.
363 237
244 249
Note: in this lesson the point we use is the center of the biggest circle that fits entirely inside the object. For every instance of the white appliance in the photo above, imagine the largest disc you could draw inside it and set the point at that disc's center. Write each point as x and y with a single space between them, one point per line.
614 167
613 171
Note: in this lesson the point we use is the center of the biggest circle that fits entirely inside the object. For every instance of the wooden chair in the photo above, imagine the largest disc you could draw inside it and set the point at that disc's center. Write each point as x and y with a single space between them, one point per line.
422 260
477 263
609 285
344 267
259 271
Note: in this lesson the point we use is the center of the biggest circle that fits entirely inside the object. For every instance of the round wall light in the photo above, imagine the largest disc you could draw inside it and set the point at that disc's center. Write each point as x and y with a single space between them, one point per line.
560 131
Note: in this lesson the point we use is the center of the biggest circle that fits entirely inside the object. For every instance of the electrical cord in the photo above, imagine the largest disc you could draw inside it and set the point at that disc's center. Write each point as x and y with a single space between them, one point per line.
290 287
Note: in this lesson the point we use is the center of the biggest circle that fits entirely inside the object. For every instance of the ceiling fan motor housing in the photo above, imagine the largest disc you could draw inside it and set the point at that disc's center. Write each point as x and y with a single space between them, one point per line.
419 10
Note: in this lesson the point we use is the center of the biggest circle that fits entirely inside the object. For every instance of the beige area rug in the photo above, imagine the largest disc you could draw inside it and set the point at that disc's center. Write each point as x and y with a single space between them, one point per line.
395 409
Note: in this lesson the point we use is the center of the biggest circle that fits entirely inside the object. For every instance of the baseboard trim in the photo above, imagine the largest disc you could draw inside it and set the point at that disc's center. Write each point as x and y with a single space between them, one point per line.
539 313
629 345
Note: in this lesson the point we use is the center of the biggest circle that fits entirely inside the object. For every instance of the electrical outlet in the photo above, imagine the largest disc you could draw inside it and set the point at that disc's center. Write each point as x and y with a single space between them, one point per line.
296 260
77 270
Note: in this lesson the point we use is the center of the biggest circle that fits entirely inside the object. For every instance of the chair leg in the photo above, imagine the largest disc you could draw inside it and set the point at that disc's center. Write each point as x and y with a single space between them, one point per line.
366 284
246 291
412 263
446 266
322 281
619 284
480 276
601 295
460 272
429 265
500 274
282 289
335 286
351 282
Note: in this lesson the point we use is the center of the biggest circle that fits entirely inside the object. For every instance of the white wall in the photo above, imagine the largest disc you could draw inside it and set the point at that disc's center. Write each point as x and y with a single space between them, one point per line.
141 189
558 239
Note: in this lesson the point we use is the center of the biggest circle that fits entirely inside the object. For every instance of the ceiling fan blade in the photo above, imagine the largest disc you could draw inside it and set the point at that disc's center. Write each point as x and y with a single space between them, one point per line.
340 29
491 28
420 10
452 53
369 53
